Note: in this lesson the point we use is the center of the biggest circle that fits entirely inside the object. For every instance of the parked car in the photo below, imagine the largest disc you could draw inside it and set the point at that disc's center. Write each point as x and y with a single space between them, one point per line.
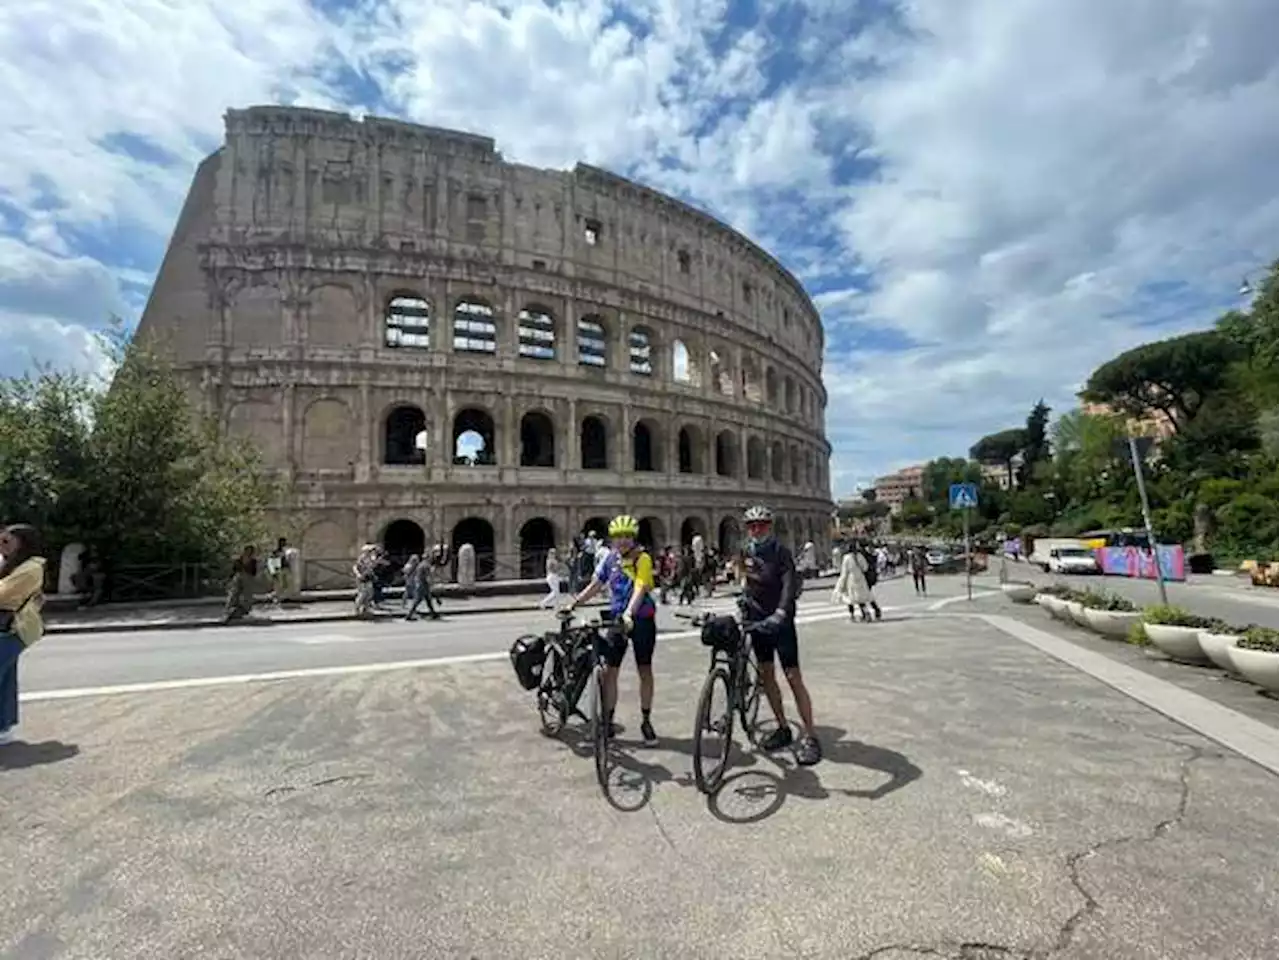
1072 560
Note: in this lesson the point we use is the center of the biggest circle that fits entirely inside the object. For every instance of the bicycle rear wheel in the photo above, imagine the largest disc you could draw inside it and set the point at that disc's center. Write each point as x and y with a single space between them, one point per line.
599 729
713 720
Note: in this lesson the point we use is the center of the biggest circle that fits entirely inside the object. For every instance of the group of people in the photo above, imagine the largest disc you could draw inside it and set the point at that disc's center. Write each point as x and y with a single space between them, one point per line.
770 583
375 569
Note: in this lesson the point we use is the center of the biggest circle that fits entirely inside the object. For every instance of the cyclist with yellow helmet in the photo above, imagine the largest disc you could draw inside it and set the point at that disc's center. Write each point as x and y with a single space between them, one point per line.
627 573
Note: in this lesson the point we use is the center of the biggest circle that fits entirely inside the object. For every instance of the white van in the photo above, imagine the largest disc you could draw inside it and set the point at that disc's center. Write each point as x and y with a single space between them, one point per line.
1063 555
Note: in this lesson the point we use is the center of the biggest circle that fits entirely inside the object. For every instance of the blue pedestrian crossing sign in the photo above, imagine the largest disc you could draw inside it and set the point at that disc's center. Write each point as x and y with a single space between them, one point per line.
964 496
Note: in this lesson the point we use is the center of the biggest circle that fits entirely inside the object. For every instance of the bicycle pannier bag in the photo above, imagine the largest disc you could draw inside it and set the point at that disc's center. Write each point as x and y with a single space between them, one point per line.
528 655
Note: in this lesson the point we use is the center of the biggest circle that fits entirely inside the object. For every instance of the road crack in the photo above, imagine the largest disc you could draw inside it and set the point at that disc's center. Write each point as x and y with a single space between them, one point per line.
981 950
1075 861
285 789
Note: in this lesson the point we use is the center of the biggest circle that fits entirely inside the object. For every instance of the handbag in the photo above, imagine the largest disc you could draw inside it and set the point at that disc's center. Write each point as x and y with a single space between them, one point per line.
8 616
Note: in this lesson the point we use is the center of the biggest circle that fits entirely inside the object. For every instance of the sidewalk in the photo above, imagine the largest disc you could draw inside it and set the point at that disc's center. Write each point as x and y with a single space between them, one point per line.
333 606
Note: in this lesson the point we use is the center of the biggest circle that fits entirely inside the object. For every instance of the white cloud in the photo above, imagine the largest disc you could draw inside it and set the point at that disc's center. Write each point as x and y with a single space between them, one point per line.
1038 162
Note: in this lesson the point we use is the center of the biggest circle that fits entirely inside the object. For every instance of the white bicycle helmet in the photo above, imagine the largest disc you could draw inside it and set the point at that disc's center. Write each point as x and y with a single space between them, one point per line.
758 514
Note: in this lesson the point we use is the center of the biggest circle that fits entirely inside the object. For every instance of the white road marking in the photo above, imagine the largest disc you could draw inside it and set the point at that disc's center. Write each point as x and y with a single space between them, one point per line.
189 683
948 601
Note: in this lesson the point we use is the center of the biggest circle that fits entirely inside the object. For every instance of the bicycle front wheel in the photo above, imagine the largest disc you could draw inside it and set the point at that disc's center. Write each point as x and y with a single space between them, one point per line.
600 729
713 730
551 697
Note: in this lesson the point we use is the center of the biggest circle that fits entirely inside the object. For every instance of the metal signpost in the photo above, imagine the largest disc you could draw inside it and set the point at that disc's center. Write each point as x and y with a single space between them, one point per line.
1136 456
964 496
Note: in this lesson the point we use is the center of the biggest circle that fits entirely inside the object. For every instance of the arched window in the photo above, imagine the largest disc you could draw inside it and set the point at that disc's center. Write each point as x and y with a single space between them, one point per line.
593 345
640 349
408 322
536 329
474 328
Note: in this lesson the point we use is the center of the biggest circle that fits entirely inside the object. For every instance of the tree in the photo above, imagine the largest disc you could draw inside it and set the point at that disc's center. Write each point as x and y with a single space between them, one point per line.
1036 448
1001 448
869 494
132 469
1174 376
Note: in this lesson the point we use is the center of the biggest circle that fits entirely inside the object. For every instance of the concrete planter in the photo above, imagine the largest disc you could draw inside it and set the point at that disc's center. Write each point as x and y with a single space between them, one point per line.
1051 605
1112 623
1177 643
1075 612
1258 667
1217 647
1019 592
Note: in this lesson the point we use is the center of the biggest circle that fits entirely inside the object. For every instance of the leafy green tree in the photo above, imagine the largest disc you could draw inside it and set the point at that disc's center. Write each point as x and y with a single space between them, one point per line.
1036 449
133 470
1174 376
1003 448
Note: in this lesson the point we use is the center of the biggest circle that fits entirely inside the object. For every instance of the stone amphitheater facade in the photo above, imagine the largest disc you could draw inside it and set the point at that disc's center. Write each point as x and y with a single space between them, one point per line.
431 343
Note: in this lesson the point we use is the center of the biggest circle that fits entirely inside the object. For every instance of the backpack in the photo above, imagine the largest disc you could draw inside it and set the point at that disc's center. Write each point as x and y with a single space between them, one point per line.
873 568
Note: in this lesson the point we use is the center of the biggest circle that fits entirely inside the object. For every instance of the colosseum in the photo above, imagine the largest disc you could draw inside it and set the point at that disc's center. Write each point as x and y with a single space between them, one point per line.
433 344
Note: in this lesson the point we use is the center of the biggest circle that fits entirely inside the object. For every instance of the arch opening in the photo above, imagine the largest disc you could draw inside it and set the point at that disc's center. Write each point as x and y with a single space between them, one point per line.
536 331
597 525
479 533
778 462
652 534
726 455
684 369
755 458
690 449
593 342
473 439
537 440
751 379
404 437
644 447
594 441
771 387
403 539
789 394
475 327
407 323
640 352
730 537
537 537
690 528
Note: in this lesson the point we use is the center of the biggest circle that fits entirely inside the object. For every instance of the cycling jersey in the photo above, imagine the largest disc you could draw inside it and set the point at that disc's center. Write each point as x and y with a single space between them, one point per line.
621 575
771 578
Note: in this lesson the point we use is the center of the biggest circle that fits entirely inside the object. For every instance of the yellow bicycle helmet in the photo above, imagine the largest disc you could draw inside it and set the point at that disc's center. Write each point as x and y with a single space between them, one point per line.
624 525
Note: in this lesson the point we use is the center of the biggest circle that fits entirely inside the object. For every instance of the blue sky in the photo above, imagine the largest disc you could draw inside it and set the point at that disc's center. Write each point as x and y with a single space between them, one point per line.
986 198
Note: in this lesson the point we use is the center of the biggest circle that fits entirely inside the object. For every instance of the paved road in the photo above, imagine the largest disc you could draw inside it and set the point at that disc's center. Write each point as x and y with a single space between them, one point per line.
105 659
980 800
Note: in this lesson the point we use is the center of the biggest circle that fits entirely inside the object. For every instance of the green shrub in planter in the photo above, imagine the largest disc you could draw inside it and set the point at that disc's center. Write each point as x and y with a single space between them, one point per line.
1138 635
1099 600
1060 590
1259 638
1177 617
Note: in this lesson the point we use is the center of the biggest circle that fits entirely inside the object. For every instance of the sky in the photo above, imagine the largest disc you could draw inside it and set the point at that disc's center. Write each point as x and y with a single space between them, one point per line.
986 198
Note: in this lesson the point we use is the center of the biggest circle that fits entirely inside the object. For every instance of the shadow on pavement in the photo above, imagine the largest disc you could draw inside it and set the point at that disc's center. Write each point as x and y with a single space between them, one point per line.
765 791
19 754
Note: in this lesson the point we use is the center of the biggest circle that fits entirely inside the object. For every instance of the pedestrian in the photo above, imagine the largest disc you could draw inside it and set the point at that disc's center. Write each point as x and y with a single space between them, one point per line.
418 582
919 567
553 580
853 587
244 575
408 572
21 603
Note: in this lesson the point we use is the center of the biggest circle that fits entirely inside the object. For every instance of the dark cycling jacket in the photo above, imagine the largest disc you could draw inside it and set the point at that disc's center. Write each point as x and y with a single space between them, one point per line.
771 578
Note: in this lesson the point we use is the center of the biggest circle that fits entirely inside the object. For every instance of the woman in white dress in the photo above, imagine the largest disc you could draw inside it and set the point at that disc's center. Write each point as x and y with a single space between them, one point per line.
553 580
852 589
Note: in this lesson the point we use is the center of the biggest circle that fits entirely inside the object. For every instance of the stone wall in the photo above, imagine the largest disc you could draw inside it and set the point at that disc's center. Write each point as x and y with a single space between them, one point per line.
357 295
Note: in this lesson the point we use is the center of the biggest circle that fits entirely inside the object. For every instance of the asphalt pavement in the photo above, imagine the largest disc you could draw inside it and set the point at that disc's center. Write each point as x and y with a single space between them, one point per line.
979 800
61 661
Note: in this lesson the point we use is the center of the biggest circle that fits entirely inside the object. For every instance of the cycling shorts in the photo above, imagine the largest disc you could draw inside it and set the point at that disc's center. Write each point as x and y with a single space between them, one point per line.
782 644
644 637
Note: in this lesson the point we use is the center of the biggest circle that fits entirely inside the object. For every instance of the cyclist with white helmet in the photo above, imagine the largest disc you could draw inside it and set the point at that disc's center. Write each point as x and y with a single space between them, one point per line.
769 592
627 572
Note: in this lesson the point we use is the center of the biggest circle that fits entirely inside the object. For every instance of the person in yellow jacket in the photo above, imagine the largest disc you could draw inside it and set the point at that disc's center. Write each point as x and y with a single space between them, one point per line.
21 603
